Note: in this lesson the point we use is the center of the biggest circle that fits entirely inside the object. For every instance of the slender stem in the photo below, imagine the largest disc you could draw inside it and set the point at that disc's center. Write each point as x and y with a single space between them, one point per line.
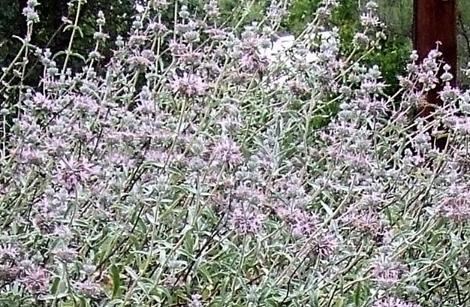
72 36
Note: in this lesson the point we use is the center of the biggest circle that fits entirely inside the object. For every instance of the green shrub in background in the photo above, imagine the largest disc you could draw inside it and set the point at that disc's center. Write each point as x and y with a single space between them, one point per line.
397 15
395 48
54 29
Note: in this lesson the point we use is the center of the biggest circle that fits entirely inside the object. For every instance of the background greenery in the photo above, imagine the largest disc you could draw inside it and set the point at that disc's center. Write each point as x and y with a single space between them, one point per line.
397 15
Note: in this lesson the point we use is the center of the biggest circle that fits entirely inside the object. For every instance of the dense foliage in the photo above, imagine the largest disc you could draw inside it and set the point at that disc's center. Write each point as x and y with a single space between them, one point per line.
197 165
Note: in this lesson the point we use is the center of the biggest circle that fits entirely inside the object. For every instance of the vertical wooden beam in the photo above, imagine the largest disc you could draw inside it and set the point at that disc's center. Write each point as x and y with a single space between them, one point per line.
436 20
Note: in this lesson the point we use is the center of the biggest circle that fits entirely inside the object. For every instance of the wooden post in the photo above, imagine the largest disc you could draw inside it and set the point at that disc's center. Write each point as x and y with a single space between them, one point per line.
436 20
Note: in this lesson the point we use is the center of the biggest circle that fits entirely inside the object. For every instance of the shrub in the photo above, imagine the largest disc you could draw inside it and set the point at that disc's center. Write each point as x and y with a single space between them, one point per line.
199 167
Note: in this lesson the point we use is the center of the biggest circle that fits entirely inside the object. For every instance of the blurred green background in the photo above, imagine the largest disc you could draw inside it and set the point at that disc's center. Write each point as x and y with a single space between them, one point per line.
397 15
